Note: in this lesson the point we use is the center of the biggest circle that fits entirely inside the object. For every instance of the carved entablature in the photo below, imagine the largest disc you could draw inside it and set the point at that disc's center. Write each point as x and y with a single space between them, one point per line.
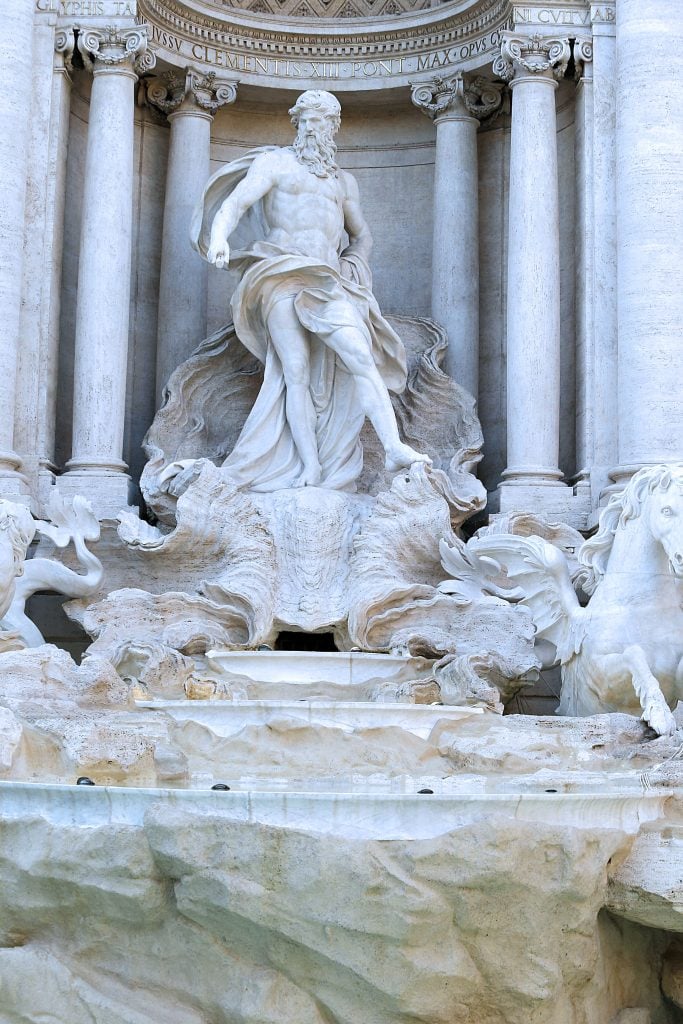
604 17
458 94
190 88
113 47
326 52
522 55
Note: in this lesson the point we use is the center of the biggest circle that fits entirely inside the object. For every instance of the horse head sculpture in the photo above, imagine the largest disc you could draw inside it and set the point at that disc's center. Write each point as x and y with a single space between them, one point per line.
624 650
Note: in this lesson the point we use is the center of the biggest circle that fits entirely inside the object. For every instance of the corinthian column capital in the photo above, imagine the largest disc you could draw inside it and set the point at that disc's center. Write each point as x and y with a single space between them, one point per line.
522 55
190 89
458 95
114 47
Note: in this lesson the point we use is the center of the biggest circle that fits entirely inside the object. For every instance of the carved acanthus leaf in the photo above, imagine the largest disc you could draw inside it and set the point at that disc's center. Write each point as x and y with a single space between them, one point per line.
171 90
532 55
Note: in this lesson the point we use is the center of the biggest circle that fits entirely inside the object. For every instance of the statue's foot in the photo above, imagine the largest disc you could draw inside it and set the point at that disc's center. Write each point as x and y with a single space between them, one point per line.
402 456
660 719
310 476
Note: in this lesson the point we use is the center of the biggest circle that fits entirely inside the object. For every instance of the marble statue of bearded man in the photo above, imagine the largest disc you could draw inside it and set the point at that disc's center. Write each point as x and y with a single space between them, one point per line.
304 307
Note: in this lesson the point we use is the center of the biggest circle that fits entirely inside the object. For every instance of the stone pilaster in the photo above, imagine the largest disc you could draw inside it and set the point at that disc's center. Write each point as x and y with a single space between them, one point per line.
115 57
16 44
584 264
532 65
456 104
596 255
649 173
35 410
190 100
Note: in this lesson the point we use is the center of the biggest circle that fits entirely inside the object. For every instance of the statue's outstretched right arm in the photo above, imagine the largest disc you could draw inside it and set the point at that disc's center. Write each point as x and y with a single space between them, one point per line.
254 186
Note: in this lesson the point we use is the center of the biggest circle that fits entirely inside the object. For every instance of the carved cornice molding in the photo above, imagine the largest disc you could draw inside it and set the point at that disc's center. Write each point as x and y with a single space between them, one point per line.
264 49
322 36
459 94
112 47
191 88
522 55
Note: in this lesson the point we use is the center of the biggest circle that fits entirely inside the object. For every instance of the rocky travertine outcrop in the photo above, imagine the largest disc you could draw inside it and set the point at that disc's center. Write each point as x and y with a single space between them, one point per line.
537 883
191 919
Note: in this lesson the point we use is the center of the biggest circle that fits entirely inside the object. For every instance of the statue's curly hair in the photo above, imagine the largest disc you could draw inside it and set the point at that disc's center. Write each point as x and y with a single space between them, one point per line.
317 99
627 504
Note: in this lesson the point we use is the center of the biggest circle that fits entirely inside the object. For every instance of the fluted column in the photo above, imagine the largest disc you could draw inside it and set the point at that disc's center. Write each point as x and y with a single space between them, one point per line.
455 104
190 100
15 119
532 64
102 308
649 42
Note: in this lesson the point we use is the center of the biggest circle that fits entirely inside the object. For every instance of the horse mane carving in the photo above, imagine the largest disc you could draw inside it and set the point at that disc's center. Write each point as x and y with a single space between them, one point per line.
594 553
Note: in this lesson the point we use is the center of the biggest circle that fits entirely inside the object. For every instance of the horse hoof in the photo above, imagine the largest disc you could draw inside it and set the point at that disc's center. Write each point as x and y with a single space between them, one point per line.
660 721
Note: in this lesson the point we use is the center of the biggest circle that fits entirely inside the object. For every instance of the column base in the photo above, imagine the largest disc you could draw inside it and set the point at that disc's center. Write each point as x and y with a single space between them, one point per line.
108 492
13 484
552 499
619 477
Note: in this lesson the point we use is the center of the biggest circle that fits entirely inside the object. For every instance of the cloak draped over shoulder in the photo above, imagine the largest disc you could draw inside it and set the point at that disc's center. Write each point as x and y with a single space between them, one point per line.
265 457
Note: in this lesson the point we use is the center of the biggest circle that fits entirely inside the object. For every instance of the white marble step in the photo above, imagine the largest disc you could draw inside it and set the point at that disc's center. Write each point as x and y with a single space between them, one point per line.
227 717
353 815
347 668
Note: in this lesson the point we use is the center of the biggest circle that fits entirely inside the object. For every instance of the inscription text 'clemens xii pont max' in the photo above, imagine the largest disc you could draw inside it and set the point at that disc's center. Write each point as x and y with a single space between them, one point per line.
242 62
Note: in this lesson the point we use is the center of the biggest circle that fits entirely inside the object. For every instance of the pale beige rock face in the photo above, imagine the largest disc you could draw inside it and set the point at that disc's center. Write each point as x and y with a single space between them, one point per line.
480 903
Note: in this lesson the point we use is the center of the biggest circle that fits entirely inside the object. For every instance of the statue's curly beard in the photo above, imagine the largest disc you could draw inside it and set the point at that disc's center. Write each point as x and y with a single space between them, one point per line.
317 151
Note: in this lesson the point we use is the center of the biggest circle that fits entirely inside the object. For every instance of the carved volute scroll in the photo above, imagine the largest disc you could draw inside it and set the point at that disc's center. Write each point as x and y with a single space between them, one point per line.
583 58
190 88
64 46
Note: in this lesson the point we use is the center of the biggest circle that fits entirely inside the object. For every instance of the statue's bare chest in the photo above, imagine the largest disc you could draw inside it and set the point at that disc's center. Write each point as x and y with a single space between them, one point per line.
296 181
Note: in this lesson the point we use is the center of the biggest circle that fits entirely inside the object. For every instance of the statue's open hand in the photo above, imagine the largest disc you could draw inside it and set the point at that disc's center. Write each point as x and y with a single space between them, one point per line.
219 253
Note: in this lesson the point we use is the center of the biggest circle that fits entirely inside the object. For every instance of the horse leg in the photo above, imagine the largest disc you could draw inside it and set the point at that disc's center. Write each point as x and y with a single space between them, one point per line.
632 665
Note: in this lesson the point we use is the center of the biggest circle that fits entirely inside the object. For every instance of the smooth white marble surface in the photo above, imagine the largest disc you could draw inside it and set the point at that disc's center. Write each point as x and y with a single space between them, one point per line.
649 187
226 717
351 815
353 667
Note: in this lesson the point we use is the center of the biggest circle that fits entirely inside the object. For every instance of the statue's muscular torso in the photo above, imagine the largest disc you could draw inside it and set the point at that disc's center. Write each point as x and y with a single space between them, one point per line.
304 213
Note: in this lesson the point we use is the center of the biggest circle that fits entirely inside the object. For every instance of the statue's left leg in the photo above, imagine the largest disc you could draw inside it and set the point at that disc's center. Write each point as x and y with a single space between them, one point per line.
353 348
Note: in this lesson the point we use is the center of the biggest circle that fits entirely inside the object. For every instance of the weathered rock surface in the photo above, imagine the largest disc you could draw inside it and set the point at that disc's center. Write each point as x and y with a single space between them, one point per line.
122 906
